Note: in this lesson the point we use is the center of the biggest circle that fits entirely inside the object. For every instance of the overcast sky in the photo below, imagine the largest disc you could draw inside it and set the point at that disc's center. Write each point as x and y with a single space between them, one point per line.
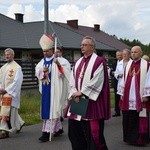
128 19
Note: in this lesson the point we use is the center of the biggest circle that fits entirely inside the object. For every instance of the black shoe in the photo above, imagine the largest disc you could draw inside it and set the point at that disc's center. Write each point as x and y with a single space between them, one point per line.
116 115
18 131
58 133
4 135
43 134
44 137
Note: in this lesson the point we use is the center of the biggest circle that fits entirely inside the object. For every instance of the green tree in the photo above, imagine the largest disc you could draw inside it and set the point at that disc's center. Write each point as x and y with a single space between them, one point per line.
145 48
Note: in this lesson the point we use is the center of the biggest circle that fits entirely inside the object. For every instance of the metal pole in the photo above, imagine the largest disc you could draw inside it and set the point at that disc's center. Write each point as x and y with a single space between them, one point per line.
46 20
46 31
55 37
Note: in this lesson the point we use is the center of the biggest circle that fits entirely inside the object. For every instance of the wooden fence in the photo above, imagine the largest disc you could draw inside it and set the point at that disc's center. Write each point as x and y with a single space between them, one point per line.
29 78
28 69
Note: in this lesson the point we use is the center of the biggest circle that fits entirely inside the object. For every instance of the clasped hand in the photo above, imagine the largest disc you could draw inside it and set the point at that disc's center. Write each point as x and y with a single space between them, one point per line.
2 91
76 96
56 61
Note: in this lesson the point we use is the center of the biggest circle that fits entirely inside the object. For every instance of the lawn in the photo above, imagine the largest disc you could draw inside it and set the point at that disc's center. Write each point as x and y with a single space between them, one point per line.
30 106
112 99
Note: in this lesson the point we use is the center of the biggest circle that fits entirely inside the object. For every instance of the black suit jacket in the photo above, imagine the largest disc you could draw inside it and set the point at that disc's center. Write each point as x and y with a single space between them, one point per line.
115 81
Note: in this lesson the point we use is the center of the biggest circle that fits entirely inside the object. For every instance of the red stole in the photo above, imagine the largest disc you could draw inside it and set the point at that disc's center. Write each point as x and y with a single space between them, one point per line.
5 107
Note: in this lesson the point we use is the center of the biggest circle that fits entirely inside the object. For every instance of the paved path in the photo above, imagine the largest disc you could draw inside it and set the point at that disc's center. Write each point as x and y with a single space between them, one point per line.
28 139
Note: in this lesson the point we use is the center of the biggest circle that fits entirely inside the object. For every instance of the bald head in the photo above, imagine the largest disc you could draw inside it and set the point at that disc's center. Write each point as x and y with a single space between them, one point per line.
136 53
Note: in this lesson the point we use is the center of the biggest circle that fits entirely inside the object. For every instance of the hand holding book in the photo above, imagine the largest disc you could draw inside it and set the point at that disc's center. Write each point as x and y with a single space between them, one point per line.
79 107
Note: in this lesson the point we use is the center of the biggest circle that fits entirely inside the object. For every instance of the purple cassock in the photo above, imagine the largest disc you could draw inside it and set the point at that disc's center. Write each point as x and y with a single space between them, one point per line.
99 109
135 127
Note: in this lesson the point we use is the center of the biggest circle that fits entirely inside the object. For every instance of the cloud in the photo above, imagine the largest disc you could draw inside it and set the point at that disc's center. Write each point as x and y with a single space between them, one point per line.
29 11
138 26
125 18
10 2
15 8
31 14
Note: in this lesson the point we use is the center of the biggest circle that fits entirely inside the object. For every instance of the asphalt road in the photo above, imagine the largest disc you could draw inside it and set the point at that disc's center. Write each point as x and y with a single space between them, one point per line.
28 139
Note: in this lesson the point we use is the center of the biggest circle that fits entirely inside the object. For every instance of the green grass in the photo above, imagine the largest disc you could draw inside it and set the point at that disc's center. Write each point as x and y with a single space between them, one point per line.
30 106
112 99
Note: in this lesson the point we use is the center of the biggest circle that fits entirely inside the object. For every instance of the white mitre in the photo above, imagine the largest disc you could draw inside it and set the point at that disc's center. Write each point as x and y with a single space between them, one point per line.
46 42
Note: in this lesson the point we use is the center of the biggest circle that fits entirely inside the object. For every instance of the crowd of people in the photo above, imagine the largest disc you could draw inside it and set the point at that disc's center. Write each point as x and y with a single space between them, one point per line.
81 94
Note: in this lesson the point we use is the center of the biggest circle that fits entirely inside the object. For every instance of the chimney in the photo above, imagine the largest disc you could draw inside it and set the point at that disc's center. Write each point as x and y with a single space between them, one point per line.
19 17
73 23
96 27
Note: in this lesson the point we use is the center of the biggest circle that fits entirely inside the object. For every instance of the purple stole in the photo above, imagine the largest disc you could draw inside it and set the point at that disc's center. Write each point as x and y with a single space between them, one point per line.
134 69
143 121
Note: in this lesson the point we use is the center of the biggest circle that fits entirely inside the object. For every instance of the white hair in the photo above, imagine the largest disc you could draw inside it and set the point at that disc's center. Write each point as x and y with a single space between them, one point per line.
10 50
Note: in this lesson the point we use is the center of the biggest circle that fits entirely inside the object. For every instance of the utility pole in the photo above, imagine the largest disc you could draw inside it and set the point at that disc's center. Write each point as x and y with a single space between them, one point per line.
46 20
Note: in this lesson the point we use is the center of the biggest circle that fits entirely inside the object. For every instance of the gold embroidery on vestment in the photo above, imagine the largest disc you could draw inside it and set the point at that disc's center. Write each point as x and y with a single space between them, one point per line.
11 73
134 72
46 79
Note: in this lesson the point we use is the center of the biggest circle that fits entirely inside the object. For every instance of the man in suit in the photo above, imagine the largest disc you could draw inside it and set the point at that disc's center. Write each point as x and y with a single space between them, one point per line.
117 97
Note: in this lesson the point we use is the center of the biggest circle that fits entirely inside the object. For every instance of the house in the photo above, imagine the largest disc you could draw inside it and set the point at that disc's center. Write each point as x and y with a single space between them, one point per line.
98 34
24 38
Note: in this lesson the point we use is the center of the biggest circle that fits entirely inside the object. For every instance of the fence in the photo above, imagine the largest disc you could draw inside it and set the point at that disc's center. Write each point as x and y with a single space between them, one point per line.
29 78
28 69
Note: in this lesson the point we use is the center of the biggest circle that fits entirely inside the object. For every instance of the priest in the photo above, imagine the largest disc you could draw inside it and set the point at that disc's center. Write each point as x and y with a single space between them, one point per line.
11 78
51 75
89 79
133 106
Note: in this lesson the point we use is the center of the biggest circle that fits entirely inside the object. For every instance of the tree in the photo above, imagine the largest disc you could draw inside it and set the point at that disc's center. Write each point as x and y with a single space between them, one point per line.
145 48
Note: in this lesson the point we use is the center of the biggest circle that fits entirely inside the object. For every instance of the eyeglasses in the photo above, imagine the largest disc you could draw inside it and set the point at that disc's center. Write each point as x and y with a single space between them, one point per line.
82 45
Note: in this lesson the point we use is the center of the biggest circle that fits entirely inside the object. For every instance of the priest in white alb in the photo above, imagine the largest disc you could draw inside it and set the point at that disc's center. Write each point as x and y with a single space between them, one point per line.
11 78
51 74
133 106
89 79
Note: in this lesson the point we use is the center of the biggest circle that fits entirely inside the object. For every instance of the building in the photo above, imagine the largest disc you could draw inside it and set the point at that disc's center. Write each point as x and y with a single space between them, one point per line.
24 38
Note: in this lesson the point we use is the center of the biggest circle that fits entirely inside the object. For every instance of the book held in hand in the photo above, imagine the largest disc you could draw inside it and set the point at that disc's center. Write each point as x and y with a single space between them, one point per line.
79 108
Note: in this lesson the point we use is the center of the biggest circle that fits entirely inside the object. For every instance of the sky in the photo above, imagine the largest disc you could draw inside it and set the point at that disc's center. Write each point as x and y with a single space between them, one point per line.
128 19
